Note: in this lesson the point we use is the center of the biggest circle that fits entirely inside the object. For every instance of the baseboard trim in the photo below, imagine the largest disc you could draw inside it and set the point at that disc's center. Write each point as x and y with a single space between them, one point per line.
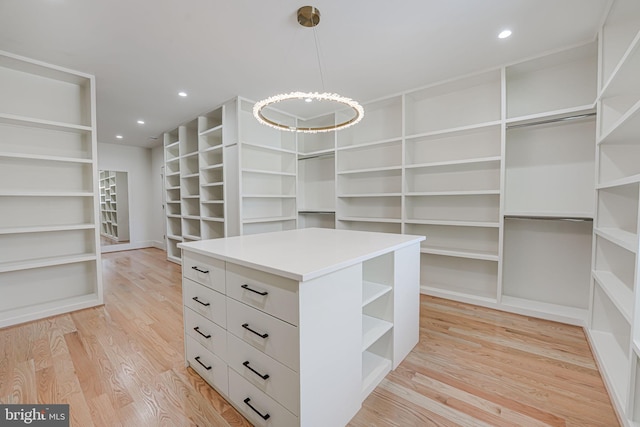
128 246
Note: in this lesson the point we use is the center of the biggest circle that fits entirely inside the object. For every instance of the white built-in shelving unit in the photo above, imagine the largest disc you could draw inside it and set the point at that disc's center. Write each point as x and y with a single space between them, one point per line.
49 232
496 169
614 322
114 205
228 175
268 169
196 181
211 154
549 184
452 184
369 170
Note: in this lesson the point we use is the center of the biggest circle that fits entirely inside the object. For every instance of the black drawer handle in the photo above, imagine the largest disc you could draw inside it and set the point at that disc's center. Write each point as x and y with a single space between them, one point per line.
246 326
208 368
264 377
206 304
197 329
195 267
245 286
264 417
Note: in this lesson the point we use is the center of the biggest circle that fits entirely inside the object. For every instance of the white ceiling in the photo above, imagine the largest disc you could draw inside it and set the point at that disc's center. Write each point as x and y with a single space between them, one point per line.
143 52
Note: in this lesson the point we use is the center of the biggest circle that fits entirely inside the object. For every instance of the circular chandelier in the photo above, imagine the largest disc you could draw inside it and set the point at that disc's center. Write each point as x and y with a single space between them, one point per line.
308 97
309 16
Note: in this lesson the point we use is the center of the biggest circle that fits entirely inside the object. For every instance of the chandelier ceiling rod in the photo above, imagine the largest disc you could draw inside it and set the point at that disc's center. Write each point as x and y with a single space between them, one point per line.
309 16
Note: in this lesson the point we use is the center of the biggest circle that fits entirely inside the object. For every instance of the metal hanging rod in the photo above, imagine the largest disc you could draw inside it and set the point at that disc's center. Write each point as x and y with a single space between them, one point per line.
318 212
544 122
548 218
315 156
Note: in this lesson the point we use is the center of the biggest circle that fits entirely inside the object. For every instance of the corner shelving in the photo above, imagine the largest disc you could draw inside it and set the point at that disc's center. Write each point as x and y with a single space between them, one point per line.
50 257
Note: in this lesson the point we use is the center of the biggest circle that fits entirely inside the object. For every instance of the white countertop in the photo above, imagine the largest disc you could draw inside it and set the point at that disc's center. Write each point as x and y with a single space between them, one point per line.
302 254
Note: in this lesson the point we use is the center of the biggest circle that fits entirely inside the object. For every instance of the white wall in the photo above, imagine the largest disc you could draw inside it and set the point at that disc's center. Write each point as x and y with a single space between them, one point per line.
137 162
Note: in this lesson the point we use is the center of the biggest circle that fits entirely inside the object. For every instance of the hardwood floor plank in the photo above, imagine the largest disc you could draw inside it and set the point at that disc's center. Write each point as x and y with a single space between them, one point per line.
111 383
88 375
486 410
194 406
518 363
123 364
23 380
47 386
79 411
103 413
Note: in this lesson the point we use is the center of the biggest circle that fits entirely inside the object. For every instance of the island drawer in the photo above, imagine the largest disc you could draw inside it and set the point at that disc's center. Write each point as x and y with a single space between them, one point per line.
267 374
204 270
272 294
207 333
205 302
271 336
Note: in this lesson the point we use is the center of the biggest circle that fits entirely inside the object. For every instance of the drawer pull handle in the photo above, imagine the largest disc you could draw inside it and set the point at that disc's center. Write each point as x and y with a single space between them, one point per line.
208 368
206 304
264 377
195 267
245 286
246 326
197 329
264 417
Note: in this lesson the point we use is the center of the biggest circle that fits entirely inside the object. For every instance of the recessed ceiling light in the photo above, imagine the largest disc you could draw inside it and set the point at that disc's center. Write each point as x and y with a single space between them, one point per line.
183 94
119 136
504 34
308 100
140 122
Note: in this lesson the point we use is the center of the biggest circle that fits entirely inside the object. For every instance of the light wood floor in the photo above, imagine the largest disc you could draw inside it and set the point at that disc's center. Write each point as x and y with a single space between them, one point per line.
122 364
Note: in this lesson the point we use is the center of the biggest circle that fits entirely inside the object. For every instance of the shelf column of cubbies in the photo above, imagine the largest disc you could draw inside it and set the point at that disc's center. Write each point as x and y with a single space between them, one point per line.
268 171
452 184
50 258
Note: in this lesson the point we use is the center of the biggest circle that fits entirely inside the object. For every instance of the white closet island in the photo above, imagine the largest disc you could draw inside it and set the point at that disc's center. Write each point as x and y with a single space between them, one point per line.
296 328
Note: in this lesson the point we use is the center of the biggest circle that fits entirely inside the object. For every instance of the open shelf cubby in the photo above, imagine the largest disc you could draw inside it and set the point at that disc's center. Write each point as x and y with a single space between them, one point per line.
553 82
382 121
548 261
610 335
461 103
447 276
